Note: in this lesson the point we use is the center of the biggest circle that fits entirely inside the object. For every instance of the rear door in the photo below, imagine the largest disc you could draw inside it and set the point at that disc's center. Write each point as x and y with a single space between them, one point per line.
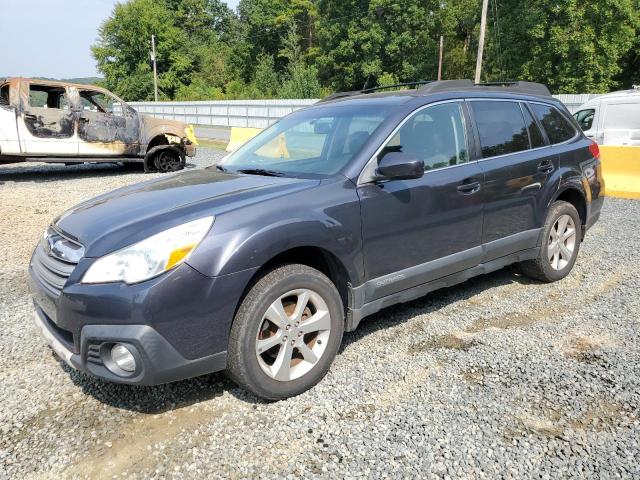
517 165
46 122
419 230
106 126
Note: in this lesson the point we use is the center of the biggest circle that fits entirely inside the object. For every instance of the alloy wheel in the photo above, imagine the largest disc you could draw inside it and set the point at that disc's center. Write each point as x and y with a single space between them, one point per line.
293 334
562 242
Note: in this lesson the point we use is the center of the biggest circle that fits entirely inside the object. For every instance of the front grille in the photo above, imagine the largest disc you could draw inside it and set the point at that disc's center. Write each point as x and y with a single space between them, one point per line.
51 271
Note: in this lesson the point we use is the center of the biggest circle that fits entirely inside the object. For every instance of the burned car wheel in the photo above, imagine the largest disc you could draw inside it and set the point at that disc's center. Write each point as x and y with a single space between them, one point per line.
168 161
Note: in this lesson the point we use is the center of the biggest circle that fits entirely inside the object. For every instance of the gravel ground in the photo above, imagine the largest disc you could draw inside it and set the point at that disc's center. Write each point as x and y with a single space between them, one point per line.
499 376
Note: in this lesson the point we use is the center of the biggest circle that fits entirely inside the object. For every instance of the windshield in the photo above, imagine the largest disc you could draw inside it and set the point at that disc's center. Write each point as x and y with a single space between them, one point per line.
316 142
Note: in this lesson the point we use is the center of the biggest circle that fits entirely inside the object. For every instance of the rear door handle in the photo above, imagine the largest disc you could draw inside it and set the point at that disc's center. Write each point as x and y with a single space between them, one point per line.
468 187
546 167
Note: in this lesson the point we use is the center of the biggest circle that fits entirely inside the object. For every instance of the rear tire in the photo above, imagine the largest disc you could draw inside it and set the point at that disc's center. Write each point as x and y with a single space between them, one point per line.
561 237
286 332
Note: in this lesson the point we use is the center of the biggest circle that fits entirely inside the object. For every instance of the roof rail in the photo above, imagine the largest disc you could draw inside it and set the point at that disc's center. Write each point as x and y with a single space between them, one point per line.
434 86
365 91
519 86
444 85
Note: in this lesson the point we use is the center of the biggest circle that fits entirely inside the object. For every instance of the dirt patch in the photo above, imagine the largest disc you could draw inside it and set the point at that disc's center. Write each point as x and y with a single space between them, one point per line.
131 448
452 341
476 376
586 347
504 322
603 415
541 426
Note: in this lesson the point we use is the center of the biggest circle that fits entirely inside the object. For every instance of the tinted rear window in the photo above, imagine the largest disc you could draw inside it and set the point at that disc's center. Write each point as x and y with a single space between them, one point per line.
557 127
501 127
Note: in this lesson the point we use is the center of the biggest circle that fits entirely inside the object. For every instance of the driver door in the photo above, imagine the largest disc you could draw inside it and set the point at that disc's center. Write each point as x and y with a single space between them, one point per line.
106 126
416 231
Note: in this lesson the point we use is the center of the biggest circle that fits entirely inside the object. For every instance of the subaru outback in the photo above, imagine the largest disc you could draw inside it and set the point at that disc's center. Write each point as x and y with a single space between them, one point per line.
367 199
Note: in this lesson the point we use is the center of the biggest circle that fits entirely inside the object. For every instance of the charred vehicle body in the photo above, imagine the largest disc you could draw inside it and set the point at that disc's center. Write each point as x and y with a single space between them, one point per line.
61 122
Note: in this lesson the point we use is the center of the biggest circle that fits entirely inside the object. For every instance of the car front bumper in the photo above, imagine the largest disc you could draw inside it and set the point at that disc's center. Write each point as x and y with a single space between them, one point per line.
157 361
176 325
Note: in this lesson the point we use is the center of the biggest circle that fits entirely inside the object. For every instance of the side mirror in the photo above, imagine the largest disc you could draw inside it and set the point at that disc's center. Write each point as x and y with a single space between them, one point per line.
399 166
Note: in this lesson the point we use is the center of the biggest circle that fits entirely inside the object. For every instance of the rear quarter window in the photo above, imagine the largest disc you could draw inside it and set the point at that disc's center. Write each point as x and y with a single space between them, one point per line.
554 123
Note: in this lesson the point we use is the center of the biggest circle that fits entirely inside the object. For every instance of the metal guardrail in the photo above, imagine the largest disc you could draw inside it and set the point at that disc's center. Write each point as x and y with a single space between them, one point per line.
258 113
227 113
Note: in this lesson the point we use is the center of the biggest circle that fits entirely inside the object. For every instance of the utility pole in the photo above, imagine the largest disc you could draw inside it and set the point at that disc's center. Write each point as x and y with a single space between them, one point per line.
155 69
440 61
483 27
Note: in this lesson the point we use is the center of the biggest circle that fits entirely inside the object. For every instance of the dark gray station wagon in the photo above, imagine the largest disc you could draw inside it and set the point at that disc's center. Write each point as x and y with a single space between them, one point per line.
258 265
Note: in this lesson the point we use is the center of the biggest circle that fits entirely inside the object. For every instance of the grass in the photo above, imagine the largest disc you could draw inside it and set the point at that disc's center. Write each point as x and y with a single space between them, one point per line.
207 143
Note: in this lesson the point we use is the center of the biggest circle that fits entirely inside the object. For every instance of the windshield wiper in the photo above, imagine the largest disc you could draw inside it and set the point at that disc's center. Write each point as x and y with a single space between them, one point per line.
221 168
261 171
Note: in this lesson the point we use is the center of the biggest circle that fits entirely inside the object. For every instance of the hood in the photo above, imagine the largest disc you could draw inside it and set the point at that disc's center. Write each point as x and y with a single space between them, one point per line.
119 218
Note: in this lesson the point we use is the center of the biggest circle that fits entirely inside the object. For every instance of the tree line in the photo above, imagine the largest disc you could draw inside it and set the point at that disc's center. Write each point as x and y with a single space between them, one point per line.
310 48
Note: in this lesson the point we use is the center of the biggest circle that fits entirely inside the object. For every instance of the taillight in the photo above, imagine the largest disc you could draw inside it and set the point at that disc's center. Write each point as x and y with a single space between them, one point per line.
594 149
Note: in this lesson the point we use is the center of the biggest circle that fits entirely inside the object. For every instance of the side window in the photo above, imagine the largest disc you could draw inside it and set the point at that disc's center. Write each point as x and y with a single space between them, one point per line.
585 118
435 135
44 96
501 127
535 135
98 102
4 95
557 127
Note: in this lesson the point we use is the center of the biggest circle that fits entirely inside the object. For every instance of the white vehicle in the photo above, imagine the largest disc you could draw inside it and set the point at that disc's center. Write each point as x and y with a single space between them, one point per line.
46 121
612 119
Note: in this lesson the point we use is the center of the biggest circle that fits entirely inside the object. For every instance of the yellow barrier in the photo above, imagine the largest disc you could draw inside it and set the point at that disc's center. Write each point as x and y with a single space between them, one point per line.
240 136
621 171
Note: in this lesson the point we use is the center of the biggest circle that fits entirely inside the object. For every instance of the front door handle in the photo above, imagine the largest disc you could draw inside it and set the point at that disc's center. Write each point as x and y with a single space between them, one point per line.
546 166
468 187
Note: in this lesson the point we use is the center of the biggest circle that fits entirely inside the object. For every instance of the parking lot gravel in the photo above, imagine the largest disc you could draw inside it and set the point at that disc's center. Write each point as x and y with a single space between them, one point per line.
498 377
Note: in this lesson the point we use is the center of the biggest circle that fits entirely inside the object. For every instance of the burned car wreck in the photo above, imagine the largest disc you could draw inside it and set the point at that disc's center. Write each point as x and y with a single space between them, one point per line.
48 121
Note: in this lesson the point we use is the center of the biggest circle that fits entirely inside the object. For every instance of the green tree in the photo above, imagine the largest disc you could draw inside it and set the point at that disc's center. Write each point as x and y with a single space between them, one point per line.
361 39
265 78
572 46
301 82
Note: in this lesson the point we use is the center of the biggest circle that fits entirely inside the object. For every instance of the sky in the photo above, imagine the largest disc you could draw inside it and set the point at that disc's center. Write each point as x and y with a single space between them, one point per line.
52 38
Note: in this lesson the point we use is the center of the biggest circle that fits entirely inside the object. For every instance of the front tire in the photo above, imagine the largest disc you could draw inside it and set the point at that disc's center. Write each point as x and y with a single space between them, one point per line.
561 237
286 332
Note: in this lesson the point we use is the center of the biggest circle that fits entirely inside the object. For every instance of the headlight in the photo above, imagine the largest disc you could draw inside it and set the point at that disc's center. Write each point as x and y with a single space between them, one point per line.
151 256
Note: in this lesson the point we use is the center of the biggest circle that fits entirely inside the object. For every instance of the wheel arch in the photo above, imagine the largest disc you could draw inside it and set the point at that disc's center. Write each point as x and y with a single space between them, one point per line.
576 197
312 256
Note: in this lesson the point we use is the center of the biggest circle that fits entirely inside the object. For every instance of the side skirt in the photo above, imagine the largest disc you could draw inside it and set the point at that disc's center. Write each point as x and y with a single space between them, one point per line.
355 315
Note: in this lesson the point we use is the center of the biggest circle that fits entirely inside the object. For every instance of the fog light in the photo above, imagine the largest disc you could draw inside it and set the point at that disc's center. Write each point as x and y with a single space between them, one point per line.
123 358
